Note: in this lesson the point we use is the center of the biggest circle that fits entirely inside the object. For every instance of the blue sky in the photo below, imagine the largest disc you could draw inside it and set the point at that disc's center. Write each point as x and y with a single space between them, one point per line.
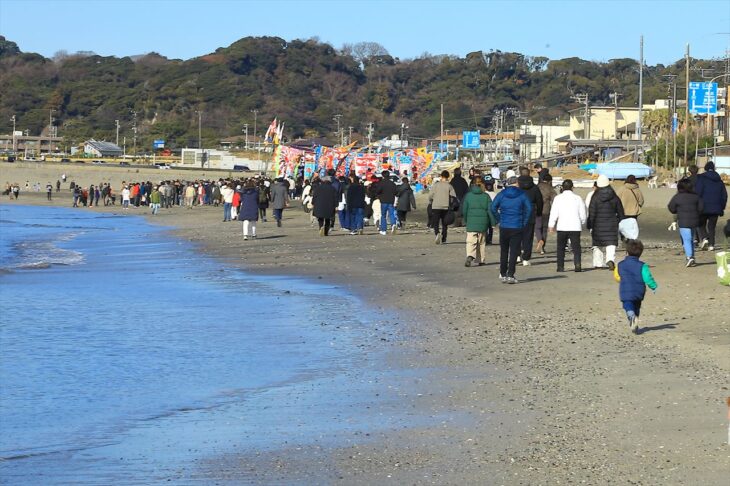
594 30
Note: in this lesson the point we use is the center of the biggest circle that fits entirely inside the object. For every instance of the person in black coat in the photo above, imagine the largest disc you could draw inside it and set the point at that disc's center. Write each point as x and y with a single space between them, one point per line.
604 214
461 187
406 202
688 208
535 197
355 202
712 191
325 204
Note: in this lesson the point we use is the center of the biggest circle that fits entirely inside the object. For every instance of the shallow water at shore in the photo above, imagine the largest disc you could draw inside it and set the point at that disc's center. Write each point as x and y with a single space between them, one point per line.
127 357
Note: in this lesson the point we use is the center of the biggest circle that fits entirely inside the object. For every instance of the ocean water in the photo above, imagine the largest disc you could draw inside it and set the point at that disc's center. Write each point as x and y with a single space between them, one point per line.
128 358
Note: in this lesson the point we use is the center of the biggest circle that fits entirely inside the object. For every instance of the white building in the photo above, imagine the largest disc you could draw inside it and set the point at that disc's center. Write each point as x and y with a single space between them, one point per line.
219 159
541 140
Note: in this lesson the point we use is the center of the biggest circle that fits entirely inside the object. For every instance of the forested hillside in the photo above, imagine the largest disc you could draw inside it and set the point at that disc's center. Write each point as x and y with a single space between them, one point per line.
304 83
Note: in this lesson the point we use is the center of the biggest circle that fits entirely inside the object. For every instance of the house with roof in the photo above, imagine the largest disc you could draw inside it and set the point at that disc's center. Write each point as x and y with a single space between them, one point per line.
96 148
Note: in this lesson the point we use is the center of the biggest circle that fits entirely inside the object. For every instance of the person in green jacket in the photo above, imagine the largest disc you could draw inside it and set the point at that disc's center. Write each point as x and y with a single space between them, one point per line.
478 218
155 199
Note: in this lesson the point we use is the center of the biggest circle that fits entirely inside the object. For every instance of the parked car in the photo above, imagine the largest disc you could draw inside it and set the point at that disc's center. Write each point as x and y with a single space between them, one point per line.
11 158
98 162
65 161
123 163
241 168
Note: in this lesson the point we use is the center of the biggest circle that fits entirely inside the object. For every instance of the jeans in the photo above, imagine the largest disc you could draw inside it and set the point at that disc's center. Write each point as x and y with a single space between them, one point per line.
708 223
510 240
278 214
527 237
632 306
227 211
356 218
687 243
388 209
344 216
574 244
155 207
439 215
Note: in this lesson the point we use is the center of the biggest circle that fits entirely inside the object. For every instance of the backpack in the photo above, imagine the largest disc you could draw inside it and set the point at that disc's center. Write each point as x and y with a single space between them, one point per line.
263 197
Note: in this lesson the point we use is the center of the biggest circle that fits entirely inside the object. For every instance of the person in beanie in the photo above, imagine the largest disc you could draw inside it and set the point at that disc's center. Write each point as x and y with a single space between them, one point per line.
688 207
249 213
477 218
512 210
633 276
568 215
604 213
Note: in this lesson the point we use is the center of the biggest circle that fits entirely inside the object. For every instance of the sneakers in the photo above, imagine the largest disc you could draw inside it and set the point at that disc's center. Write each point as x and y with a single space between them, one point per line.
634 324
704 244
519 259
610 265
278 223
711 248
383 233
503 279
353 232
691 262
526 263
469 259
245 238
393 229
438 239
511 280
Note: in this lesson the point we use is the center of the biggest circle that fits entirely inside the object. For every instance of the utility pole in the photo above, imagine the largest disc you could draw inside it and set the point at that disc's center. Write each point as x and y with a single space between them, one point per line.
117 123
336 118
349 136
686 106
582 98
255 123
200 129
641 97
441 143
134 131
15 142
370 135
245 129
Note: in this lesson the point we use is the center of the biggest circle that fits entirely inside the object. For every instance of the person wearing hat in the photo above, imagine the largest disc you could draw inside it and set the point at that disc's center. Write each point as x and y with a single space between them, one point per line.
512 210
567 216
712 191
535 196
604 214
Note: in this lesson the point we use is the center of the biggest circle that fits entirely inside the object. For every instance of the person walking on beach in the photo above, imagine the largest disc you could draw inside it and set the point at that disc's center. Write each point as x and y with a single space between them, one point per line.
405 203
126 194
189 195
58 185
535 197
385 192
227 194
713 193
249 213
604 214
478 217
512 210
461 187
541 221
236 202
355 202
567 216
264 197
49 191
325 204
441 201
688 207
631 198
279 199
633 276
155 200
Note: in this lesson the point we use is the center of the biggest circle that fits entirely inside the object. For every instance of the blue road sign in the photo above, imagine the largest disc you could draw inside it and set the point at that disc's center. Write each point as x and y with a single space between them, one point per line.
158 144
703 98
470 140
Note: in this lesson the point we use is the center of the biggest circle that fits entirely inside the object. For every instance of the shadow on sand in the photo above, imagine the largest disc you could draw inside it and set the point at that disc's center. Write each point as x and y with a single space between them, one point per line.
660 327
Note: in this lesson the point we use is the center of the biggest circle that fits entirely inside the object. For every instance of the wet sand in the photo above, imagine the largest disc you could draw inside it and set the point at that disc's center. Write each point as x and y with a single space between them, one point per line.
538 383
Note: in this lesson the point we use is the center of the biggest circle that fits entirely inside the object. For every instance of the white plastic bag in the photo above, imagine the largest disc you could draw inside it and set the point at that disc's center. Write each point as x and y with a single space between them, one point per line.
629 228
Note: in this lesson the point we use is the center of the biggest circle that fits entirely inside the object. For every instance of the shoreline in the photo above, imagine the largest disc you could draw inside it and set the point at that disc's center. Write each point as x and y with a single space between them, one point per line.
597 403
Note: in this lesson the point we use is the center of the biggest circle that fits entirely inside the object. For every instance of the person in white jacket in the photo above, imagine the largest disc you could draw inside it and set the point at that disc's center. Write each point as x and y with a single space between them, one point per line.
568 215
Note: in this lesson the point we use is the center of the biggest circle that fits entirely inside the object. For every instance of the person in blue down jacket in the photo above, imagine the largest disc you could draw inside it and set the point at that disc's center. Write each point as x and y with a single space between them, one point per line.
249 213
513 210
711 190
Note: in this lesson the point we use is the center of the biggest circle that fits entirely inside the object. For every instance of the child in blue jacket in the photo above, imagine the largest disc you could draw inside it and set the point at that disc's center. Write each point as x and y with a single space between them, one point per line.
633 276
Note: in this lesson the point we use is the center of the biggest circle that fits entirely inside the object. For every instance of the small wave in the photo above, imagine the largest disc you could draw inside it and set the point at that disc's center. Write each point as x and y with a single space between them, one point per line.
38 255
5 270
35 266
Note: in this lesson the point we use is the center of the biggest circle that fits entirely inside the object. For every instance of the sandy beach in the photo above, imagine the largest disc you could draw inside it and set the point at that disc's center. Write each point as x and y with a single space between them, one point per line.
537 383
